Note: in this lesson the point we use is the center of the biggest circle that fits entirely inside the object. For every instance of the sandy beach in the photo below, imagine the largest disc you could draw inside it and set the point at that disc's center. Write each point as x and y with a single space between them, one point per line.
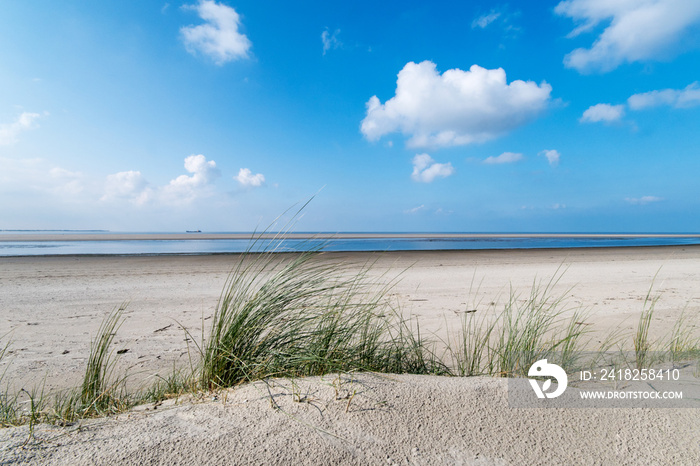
52 306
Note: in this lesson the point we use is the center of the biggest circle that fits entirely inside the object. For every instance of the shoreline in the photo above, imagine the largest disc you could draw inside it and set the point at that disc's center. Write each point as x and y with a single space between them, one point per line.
612 249
137 245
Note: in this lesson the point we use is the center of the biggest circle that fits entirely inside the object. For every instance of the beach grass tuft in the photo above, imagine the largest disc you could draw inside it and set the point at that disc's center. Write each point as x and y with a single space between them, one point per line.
684 341
642 344
525 330
97 392
102 392
9 403
292 316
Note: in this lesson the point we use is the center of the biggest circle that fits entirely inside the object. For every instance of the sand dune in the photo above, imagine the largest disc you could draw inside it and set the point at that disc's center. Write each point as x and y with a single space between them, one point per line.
389 420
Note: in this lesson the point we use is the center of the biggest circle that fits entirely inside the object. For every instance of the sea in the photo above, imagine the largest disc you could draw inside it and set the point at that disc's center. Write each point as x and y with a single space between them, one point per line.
28 246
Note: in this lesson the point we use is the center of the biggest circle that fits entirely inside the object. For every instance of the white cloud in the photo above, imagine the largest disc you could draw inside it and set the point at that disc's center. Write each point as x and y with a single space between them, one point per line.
9 132
552 156
425 169
246 178
186 188
76 197
484 20
502 19
132 185
603 112
506 157
677 98
643 200
330 41
638 30
129 185
218 37
455 108
415 209
37 176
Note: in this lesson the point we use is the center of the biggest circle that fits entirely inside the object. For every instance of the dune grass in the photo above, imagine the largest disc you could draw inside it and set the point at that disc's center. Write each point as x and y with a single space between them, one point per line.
642 345
299 316
524 331
98 391
9 403
101 393
683 342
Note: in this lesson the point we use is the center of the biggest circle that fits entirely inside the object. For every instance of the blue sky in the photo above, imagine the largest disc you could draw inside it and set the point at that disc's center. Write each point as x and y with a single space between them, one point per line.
574 116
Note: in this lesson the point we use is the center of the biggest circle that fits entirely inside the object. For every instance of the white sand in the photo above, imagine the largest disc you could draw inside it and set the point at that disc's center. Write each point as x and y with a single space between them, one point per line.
53 305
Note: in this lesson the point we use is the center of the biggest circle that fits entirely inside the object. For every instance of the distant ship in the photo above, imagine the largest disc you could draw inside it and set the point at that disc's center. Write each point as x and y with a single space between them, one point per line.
193 231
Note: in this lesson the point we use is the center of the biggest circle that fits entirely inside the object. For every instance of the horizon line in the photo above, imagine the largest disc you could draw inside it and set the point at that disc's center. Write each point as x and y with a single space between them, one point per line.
106 235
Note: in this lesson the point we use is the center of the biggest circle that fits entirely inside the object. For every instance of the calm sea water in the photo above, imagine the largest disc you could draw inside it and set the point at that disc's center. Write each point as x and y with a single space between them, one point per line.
208 246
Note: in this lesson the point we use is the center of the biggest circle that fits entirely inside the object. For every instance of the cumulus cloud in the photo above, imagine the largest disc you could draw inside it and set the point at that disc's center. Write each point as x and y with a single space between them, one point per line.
506 157
425 169
677 98
643 200
455 108
638 30
186 188
552 156
484 20
246 178
603 112
330 41
132 186
202 171
219 37
129 185
9 132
